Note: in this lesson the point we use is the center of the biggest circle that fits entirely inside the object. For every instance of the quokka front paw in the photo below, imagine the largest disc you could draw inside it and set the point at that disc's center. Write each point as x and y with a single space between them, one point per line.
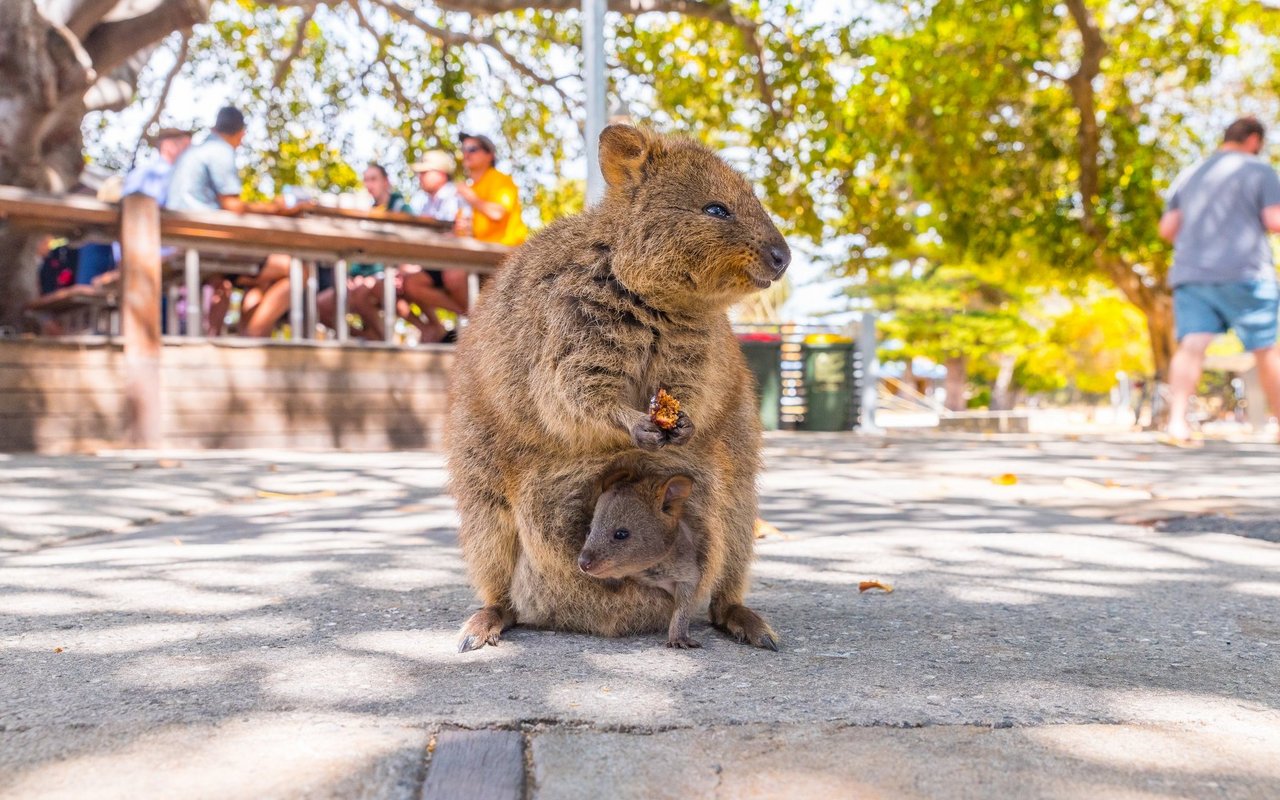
683 643
484 627
683 430
648 436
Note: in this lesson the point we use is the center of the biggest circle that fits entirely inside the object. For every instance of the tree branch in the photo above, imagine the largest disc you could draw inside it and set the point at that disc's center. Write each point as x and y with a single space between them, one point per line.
1087 135
112 43
722 13
445 36
179 59
397 88
299 39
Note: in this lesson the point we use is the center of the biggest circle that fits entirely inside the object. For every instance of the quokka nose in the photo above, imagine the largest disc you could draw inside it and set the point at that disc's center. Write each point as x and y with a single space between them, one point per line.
779 258
586 562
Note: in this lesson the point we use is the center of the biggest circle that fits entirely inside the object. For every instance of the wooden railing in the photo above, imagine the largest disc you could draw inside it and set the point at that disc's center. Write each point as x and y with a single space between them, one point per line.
142 229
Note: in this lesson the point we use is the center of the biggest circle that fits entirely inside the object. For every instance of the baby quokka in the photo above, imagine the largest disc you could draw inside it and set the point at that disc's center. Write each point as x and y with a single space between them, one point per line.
638 531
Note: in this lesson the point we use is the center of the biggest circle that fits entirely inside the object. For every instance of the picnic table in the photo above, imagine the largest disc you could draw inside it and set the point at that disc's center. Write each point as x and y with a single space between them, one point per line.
211 240
219 242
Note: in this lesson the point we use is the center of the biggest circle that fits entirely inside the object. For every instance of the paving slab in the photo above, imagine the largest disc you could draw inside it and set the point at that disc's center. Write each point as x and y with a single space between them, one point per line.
314 590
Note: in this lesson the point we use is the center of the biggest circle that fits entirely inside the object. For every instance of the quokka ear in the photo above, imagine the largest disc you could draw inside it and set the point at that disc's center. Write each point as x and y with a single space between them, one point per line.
674 492
623 151
615 477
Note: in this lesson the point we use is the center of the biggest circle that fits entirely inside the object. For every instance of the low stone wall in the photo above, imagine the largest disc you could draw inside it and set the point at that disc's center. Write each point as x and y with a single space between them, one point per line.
986 422
59 395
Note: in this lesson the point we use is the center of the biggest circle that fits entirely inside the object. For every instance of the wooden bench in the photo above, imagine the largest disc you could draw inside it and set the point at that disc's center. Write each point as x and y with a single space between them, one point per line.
83 309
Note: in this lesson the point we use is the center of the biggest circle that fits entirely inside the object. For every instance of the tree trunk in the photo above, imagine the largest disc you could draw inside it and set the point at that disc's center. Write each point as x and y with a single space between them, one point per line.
1002 391
52 65
956 381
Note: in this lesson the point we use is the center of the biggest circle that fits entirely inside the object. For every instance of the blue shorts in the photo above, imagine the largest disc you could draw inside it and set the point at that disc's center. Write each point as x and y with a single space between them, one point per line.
1249 308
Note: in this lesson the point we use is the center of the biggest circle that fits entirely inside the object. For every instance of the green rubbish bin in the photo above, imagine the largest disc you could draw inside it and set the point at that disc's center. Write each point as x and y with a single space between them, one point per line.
764 357
828 383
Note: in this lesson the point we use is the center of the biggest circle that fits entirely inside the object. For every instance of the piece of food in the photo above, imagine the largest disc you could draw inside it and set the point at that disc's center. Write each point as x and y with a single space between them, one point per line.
664 409
865 585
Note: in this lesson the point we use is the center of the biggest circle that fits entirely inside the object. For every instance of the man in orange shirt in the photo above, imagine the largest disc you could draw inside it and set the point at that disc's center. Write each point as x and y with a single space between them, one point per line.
491 195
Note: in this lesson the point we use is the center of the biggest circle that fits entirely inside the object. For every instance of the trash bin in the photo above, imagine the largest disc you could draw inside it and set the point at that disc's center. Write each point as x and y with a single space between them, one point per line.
829 391
764 357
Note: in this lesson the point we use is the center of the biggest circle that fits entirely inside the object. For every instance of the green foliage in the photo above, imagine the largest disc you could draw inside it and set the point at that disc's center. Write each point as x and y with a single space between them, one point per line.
1087 346
931 151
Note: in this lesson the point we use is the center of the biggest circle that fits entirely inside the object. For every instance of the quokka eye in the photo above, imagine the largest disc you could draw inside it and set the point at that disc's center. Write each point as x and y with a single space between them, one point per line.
717 210
621 533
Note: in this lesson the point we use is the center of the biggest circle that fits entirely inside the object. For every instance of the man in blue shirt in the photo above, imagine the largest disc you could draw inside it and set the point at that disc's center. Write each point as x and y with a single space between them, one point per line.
152 178
206 179
1218 216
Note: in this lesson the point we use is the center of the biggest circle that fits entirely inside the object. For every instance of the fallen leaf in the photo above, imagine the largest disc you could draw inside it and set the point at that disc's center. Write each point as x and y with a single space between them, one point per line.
168 463
866 585
264 494
57 649
1007 479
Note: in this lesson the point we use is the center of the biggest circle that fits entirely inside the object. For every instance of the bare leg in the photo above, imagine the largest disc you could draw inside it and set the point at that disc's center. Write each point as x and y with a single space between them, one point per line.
365 300
275 302
1269 376
275 270
428 324
1184 375
327 308
418 288
219 302
456 284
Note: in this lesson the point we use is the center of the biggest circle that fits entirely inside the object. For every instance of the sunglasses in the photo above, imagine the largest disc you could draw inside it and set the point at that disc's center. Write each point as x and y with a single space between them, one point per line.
473 149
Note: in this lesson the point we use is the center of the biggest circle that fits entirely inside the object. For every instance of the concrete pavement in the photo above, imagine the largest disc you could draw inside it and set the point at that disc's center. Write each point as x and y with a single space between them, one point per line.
1069 617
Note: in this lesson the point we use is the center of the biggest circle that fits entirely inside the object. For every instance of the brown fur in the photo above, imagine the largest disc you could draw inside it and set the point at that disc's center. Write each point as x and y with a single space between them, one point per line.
554 375
639 531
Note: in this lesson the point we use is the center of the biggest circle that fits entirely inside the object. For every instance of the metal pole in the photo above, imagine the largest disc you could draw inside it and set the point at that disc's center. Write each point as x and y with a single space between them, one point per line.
140 275
389 304
867 344
340 292
195 295
313 289
295 299
593 71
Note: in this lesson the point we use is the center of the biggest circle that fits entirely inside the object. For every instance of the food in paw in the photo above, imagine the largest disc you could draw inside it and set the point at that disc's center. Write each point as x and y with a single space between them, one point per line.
664 409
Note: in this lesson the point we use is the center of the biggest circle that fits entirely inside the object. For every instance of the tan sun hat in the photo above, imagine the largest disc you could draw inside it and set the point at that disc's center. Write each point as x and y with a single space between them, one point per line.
437 160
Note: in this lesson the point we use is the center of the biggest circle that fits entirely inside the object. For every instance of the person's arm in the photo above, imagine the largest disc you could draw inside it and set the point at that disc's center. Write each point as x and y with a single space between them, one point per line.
1271 201
1271 218
494 211
234 204
1169 224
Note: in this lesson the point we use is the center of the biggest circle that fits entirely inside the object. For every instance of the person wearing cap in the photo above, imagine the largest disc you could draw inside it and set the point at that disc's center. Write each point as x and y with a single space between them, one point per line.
152 178
432 290
438 198
491 195
206 178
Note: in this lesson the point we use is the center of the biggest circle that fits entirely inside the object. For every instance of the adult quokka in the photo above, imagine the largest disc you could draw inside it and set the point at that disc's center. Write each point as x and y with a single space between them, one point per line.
554 375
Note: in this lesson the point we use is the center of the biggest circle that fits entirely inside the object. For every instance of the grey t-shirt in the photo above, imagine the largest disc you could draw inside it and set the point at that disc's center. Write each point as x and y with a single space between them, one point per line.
1222 238
204 172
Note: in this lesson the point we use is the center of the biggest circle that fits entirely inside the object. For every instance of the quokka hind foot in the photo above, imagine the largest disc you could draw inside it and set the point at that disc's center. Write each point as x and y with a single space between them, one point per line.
746 626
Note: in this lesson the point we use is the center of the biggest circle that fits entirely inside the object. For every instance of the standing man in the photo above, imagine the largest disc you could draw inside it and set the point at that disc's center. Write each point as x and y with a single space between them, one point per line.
152 178
1218 215
206 179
